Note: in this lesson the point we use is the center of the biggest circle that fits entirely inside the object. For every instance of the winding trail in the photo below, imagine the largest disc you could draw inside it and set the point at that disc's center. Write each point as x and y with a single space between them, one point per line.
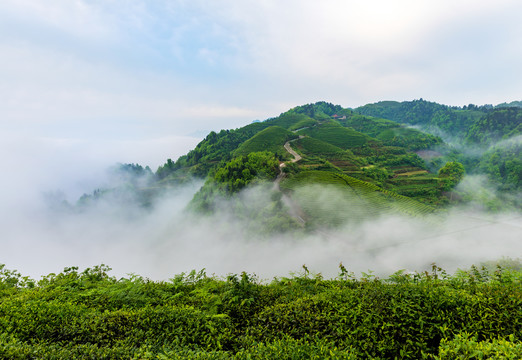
296 156
295 210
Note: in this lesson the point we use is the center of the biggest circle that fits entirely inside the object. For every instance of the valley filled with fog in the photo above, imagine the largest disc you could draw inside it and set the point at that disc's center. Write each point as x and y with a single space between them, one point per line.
41 235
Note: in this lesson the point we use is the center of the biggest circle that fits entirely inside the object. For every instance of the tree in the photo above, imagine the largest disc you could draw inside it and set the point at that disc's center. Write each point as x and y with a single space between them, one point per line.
239 172
451 174
379 174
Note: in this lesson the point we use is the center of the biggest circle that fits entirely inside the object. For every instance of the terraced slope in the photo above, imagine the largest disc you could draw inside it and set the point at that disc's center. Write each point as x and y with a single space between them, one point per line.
330 198
337 135
311 146
270 139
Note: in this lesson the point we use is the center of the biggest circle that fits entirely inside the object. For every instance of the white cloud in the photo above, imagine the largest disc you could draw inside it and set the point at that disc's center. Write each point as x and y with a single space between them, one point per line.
35 165
72 62
167 241
75 17
337 48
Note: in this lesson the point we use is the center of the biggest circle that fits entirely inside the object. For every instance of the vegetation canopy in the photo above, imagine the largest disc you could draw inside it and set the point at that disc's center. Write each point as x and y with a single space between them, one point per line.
430 315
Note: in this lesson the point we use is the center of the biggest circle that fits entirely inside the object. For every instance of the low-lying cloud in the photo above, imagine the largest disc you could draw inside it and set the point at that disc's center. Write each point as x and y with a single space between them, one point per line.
164 239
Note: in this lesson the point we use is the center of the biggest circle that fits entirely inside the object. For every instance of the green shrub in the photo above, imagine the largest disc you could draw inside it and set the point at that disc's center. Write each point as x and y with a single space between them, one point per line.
466 346
406 316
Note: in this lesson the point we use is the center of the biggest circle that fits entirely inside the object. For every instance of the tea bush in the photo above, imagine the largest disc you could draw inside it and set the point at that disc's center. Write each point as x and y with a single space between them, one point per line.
89 314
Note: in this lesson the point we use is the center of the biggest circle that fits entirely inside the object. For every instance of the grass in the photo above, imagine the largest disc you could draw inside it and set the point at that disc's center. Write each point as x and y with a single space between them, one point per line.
424 187
411 173
369 125
390 132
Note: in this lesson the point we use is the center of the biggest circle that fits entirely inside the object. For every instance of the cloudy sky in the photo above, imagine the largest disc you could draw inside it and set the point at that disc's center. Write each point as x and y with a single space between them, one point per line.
142 81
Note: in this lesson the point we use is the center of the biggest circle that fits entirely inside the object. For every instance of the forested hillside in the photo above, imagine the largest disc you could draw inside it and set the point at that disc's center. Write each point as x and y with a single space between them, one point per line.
485 138
395 148
330 138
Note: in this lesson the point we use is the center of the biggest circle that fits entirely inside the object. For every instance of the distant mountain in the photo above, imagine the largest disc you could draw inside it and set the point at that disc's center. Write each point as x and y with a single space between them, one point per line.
511 104
473 123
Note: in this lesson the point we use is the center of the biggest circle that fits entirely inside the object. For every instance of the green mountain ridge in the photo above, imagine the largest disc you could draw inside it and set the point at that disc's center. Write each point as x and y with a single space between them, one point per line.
474 131
373 145
466 122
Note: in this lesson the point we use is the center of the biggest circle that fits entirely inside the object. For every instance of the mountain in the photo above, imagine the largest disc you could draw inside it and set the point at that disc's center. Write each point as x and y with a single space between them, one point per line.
329 138
321 164
471 122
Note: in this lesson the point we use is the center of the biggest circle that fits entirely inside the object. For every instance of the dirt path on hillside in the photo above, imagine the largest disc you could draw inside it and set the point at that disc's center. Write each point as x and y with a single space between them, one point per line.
294 210
296 158
288 148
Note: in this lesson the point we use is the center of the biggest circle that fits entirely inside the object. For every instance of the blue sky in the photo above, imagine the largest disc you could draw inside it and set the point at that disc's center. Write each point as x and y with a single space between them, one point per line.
110 74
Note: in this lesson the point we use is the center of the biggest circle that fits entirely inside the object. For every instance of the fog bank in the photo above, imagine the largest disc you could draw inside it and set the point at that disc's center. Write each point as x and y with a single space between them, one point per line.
166 240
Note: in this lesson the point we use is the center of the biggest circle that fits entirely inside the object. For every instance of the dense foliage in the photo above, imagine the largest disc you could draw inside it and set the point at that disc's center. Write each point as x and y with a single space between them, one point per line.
428 114
472 129
320 110
90 314
374 143
497 125
241 171
451 174
504 163
233 176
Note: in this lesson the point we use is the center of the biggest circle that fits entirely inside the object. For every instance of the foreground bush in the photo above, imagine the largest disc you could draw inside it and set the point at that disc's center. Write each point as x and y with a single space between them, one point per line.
89 314
464 346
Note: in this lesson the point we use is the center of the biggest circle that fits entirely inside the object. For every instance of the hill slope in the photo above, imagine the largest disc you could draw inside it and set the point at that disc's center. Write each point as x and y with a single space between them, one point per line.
329 198
337 135
478 127
270 139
